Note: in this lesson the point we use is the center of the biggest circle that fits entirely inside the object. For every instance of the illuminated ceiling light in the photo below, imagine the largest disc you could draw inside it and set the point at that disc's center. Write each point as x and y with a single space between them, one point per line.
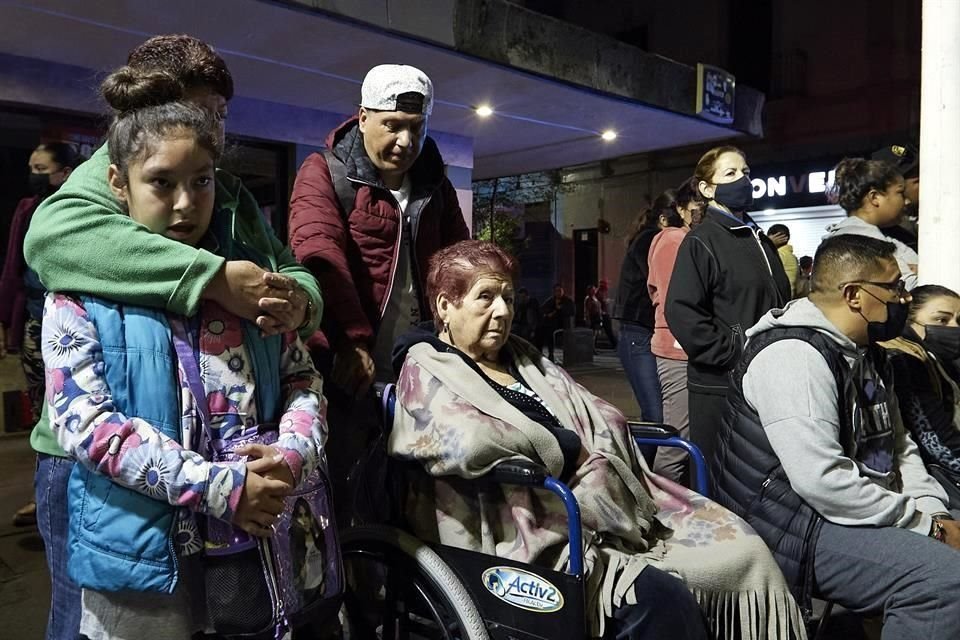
484 111
609 135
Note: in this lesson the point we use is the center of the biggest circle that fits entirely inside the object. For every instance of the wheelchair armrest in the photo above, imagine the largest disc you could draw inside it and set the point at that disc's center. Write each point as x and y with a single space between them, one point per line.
519 472
530 474
651 430
386 394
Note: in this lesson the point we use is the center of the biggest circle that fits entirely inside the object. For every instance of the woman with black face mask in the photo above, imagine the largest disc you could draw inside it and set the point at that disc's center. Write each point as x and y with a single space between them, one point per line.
927 383
20 288
726 276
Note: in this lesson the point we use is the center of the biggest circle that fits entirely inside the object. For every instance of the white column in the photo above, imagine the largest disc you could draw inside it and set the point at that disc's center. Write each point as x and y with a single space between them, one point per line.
940 145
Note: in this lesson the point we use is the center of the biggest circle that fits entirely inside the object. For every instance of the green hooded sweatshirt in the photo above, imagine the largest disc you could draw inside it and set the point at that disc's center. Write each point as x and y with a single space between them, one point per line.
81 240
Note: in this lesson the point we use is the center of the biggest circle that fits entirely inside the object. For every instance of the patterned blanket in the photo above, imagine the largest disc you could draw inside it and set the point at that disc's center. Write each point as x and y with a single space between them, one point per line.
453 422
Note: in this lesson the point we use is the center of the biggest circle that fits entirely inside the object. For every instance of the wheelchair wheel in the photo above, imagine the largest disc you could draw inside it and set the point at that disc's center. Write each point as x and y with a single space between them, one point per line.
399 589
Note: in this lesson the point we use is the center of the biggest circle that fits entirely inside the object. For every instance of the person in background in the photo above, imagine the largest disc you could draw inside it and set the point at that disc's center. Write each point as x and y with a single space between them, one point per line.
603 295
592 312
726 276
634 308
873 193
906 159
779 235
557 314
927 379
526 319
803 278
671 359
20 289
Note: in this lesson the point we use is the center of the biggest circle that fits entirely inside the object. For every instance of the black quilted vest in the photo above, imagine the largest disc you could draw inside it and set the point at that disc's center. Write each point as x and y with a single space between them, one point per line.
749 479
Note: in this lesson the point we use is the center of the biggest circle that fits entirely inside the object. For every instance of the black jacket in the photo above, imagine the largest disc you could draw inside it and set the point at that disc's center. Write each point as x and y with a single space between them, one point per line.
633 299
749 479
727 275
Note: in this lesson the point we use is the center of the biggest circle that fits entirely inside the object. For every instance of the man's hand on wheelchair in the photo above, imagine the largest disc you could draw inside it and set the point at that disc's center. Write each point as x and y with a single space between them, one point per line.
353 369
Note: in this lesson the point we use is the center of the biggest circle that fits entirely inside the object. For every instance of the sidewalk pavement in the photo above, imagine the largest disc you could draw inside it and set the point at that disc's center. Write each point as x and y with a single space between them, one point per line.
24 585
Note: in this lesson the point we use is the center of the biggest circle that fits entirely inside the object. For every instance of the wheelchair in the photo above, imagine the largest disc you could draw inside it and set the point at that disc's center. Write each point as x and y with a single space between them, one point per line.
400 588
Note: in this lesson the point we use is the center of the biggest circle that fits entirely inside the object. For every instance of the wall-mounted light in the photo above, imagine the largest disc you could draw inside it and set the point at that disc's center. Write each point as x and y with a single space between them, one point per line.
484 111
609 135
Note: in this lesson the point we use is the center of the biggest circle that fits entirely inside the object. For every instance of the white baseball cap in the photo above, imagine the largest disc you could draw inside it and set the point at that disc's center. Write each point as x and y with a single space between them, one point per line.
397 87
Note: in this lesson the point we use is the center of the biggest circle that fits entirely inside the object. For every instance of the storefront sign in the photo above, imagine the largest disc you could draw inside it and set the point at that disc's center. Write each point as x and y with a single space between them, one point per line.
786 186
715 94
815 182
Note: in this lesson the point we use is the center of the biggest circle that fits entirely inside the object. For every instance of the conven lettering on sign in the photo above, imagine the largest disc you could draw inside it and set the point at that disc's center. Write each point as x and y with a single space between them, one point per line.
815 182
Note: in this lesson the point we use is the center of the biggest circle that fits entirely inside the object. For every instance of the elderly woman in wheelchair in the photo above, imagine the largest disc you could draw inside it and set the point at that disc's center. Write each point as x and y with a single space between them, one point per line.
494 430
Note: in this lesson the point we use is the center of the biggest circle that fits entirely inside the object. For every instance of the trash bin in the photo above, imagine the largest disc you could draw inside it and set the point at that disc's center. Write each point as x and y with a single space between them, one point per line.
577 346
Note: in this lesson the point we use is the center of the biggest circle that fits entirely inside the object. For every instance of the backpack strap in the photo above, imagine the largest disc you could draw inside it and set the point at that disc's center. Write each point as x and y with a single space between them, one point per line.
346 193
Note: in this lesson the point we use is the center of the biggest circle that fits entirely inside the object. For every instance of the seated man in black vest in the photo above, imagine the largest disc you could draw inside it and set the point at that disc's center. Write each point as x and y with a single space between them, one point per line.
814 456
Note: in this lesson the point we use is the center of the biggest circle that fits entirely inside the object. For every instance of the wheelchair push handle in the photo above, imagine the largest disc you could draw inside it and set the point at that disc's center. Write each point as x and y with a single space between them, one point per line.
651 430
519 472
663 435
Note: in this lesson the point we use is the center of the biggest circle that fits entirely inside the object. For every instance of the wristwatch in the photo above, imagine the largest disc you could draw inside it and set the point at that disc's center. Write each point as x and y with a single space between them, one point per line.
937 532
308 314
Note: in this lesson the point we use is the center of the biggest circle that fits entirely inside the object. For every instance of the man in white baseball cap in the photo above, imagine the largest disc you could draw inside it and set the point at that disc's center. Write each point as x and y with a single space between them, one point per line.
395 102
365 216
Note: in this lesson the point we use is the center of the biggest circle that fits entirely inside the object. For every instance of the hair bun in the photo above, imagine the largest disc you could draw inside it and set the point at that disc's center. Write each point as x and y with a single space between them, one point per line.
848 167
128 90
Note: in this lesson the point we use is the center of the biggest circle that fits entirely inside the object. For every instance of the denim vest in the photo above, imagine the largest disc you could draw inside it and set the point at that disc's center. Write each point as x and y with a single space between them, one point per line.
119 538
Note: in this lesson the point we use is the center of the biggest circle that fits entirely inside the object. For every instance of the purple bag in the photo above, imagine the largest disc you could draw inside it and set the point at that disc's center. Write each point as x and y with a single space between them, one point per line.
262 587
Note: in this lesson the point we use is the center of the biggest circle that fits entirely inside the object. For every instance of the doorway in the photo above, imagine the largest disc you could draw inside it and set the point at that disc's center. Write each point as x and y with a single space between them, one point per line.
585 252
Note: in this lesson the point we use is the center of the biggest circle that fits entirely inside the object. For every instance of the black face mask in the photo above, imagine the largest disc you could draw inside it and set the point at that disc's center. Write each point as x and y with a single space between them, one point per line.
40 184
892 328
943 341
737 195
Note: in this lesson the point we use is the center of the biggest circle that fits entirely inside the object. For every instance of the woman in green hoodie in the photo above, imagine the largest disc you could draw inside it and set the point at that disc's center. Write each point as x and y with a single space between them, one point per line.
143 268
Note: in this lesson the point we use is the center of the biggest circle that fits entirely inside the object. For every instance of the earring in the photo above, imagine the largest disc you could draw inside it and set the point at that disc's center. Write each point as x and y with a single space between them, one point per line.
446 327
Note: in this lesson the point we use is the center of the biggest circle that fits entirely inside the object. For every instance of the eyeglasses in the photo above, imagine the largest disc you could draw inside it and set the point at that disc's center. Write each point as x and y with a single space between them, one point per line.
898 287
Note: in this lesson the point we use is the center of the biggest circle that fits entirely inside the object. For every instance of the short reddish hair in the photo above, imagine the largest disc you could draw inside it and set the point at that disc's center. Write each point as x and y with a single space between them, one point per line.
453 270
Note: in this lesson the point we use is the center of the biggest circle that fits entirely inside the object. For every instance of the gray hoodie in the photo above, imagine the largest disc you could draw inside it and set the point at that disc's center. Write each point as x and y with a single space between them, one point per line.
907 258
791 387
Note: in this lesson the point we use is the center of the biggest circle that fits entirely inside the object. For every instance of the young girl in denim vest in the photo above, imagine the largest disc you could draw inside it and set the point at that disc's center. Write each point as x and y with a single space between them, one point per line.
148 483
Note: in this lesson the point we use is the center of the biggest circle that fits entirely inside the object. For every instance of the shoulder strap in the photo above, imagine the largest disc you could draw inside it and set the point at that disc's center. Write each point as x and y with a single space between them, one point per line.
191 368
346 193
